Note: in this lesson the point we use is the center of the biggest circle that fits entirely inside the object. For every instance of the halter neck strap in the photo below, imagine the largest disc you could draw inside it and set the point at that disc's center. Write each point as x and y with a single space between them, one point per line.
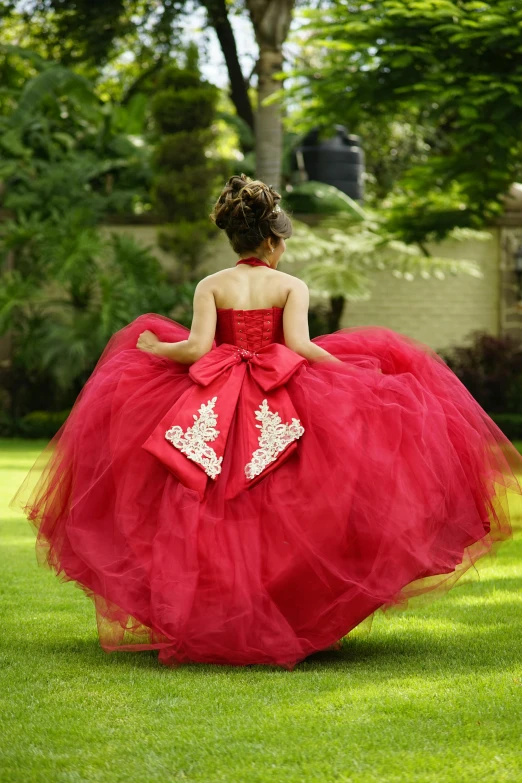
252 261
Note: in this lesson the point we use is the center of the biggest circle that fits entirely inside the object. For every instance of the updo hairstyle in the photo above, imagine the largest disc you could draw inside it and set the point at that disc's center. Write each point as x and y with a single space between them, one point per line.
248 210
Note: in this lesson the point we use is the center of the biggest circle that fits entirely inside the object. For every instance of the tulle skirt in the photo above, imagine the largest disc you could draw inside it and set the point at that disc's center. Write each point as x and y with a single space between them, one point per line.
399 485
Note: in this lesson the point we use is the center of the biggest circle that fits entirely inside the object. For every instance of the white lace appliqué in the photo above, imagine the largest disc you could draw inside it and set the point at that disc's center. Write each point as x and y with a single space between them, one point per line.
273 439
194 442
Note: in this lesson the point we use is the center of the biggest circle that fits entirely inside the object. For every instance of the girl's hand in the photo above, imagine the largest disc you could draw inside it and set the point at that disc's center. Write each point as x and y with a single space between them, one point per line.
148 342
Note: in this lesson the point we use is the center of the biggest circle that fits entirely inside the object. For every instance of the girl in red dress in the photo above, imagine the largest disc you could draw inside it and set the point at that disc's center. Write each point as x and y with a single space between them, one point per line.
241 494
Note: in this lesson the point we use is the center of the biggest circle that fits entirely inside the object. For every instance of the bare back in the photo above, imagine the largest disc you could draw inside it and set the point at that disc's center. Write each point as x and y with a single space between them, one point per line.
246 287
253 288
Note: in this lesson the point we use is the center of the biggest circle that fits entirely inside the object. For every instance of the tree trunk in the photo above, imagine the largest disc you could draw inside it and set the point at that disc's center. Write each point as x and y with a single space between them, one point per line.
269 128
271 20
336 312
218 18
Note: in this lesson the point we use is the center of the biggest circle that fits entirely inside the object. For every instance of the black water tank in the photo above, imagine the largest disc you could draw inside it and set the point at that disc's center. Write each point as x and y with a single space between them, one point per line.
338 160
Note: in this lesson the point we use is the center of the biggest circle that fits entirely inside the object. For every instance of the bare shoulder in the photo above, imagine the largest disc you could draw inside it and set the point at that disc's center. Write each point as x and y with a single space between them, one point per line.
295 284
208 284
214 280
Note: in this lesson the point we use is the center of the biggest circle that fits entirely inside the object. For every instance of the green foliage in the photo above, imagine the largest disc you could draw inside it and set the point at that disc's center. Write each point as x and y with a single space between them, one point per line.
61 146
244 132
416 213
178 148
78 290
340 255
186 239
42 424
65 288
184 100
51 81
185 194
510 424
67 161
491 369
87 34
316 198
452 68
391 149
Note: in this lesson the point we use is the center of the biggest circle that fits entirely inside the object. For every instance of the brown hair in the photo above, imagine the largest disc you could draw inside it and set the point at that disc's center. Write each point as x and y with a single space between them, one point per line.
248 210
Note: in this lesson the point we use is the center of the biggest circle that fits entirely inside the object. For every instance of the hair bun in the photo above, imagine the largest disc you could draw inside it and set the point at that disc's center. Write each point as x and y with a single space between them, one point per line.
249 209
243 196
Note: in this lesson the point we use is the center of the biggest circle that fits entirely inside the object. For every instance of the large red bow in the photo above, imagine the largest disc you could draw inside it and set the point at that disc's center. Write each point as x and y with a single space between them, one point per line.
190 440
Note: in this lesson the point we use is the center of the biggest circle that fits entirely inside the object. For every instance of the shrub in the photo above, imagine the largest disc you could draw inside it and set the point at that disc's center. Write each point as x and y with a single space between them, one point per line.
175 110
186 239
491 369
70 291
184 110
178 148
510 424
184 195
41 424
7 425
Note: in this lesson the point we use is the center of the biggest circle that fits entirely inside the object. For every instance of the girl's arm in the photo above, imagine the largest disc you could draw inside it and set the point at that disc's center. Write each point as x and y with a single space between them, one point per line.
295 325
202 331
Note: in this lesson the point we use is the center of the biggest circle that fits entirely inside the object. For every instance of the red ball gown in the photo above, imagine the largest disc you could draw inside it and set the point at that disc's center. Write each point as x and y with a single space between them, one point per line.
255 507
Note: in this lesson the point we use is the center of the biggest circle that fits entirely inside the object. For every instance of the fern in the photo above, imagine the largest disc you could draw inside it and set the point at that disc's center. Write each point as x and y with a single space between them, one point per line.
338 258
55 78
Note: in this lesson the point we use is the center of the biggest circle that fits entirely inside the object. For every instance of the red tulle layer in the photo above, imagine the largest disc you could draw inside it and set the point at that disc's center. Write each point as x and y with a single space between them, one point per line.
399 484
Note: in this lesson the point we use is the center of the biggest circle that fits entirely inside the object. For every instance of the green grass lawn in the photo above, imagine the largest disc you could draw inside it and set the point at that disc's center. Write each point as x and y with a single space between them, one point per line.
429 695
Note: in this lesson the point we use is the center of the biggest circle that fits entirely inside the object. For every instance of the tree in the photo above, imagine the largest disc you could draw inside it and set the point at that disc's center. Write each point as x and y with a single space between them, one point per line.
81 34
219 19
87 36
454 69
69 31
271 21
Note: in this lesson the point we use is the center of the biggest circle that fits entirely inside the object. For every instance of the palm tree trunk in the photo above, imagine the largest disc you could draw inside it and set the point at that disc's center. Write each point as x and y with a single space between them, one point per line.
271 20
269 128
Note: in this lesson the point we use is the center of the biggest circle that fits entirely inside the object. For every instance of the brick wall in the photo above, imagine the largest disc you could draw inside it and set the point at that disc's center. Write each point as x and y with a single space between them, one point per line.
439 313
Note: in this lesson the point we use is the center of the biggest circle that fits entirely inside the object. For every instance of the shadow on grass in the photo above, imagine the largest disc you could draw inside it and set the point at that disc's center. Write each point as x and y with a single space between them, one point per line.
438 643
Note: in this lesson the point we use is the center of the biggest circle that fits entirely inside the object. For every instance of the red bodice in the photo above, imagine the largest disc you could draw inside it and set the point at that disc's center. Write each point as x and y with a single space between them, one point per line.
250 329
245 374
